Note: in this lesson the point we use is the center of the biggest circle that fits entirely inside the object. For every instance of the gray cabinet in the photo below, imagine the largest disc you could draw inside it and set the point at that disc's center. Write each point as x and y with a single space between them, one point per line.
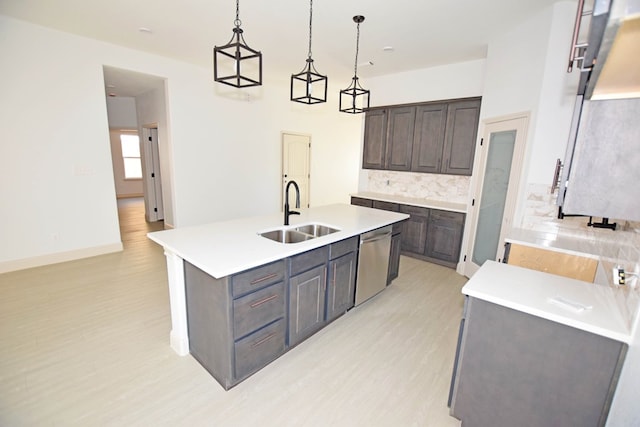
430 234
401 122
307 293
434 137
460 137
375 136
516 369
237 324
444 236
359 201
414 233
428 138
342 277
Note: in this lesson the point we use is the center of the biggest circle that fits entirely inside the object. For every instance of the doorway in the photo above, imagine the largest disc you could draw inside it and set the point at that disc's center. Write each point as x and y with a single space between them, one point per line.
494 198
296 160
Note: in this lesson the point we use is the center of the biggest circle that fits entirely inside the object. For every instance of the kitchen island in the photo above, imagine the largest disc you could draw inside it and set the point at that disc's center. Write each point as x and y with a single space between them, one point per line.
220 262
537 349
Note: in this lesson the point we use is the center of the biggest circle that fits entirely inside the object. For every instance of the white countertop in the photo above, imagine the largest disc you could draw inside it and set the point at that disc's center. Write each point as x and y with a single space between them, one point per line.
414 201
530 291
228 247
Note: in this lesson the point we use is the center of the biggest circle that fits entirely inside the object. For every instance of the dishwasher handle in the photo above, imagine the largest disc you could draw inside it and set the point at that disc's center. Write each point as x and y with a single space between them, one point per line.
375 238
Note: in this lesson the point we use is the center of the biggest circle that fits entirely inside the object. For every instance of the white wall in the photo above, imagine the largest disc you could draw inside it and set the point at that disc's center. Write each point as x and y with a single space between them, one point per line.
225 152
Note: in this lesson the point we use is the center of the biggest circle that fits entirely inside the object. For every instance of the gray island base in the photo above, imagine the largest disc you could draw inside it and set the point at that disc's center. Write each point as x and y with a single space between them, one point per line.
236 309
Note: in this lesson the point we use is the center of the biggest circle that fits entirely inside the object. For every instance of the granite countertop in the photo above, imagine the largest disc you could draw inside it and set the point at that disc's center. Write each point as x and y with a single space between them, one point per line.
414 201
228 247
532 292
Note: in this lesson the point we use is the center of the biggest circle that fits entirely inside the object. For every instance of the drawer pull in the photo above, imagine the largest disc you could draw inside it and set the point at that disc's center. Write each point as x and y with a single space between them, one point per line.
263 340
262 301
262 279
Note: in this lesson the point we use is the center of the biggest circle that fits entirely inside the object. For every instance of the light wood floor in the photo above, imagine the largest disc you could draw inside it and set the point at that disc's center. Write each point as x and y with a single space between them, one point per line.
86 343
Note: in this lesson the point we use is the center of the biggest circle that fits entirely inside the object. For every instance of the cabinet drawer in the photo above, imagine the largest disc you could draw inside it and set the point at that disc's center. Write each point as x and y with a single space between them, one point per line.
259 277
343 247
414 210
308 260
256 350
438 215
257 309
359 201
386 206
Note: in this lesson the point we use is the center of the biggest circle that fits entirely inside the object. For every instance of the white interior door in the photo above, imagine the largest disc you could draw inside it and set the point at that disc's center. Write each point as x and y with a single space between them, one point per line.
151 176
495 193
296 158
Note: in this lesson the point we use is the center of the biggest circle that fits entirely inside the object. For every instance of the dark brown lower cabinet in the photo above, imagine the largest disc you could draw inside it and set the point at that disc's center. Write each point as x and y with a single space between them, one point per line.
516 369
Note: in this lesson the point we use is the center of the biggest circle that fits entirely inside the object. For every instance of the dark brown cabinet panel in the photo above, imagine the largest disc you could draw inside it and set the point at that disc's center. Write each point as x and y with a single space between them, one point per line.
414 233
375 136
359 201
386 206
460 137
400 124
428 138
434 137
445 236
429 234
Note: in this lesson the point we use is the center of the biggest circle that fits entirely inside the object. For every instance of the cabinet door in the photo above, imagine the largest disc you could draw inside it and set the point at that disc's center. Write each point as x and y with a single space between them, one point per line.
428 138
394 258
414 231
341 290
460 137
445 236
375 135
306 303
400 138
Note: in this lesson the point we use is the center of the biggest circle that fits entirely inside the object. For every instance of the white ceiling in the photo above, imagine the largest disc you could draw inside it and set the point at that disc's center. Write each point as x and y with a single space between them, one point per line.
422 33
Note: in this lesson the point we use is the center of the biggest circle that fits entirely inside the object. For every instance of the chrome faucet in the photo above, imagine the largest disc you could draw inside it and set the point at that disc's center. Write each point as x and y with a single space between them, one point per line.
287 212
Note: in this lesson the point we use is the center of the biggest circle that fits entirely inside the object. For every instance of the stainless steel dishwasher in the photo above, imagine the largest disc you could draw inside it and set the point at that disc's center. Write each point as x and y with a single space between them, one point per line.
373 263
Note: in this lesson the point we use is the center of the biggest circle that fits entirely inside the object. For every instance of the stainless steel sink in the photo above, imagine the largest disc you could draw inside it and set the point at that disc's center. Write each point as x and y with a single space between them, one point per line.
286 236
298 234
316 230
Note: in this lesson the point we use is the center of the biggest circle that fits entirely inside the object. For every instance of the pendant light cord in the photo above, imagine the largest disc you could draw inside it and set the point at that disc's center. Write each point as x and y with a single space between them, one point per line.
310 21
355 67
237 22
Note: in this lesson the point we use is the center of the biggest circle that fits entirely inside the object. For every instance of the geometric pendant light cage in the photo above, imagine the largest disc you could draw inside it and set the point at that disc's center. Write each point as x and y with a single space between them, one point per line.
236 64
355 99
309 86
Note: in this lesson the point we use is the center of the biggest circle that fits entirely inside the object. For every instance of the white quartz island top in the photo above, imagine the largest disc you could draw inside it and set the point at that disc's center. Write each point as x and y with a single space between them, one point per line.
228 247
532 292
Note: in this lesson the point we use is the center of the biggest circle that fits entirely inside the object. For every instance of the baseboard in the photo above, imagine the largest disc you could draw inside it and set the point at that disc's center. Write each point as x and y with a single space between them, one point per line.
57 257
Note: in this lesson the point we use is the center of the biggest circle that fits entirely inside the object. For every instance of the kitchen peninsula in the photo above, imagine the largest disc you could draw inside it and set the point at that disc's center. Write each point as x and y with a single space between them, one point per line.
214 269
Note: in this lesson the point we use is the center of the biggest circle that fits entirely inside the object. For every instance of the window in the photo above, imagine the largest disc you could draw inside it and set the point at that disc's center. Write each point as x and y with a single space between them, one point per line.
131 156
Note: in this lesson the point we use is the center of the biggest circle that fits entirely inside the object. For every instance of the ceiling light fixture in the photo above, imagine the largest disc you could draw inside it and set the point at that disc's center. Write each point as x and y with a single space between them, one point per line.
309 86
355 96
236 64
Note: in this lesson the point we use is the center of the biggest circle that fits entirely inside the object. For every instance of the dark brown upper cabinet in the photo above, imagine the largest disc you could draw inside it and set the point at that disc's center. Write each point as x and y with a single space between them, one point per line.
428 138
375 137
400 122
460 137
433 137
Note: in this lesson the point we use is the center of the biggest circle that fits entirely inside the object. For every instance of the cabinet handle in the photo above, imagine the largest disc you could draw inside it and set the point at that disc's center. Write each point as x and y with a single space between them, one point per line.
263 340
333 282
263 278
262 301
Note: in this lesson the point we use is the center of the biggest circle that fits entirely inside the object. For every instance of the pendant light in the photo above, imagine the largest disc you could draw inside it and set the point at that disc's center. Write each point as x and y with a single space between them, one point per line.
309 86
236 64
355 99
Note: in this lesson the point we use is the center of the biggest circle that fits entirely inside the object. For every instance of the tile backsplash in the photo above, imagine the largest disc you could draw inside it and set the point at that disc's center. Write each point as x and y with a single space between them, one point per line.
450 188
